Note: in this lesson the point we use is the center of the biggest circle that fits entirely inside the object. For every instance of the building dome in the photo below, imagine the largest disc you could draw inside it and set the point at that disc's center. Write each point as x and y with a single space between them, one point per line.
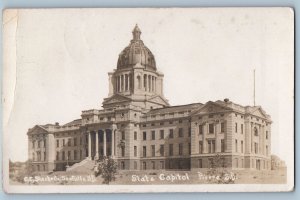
136 52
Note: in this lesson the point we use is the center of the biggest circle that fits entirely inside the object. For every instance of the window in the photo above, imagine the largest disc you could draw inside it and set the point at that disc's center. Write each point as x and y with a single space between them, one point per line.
69 142
39 144
144 151
267 150
180 121
69 155
200 129
80 154
44 143
210 162
144 166
135 165
180 132
75 155
162 134
153 135
255 131
33 144
256 147
242 128
135 135
170 122
200 147
171 133
162 150
210 116
222 145
211 146
122 165
153 150
170 149
180 151
75 141
236 127
123 151
189 132
63 155
162 164
190 149
153 164
267 134
213 142
144 135
123 135
57 143
200 163
80 141
242 146
57 155
161 123
135 151
223 127
236 146
44 155
211 128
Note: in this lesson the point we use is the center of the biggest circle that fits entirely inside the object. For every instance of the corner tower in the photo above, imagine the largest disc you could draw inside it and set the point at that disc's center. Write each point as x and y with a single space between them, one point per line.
136 80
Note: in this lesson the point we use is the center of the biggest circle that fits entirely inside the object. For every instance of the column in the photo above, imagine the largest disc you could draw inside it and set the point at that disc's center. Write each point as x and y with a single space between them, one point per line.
97 146
119 77
149 78
123 82
104 142
113 142
128 82
90 146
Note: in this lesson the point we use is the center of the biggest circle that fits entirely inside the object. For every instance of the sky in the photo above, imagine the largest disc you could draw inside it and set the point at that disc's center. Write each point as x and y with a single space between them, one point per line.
63 58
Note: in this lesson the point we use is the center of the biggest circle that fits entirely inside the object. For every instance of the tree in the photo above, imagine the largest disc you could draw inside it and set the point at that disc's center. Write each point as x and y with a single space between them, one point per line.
107 168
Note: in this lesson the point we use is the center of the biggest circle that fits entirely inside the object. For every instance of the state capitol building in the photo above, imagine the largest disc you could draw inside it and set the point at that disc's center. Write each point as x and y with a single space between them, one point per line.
140 130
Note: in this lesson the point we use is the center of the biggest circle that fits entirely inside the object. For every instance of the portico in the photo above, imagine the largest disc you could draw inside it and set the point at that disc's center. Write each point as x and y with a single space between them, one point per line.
101 142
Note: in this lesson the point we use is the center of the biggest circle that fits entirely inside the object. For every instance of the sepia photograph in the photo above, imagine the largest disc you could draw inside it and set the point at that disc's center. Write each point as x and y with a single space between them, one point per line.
129 99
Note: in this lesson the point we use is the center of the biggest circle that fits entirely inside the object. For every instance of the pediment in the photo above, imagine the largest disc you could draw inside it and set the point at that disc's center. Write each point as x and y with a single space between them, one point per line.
259 112
211 107
158 100
37 129
116 99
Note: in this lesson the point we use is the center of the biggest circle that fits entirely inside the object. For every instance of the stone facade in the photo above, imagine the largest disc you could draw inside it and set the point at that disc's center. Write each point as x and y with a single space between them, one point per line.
140 130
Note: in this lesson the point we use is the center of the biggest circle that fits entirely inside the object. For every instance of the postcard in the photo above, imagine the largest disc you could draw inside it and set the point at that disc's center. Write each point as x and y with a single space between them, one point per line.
131 100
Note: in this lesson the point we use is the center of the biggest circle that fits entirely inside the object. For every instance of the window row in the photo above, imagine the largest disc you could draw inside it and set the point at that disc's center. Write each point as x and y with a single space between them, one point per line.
69 142
38 156
212 128
211 146
39 143
161 135
161 150
68 155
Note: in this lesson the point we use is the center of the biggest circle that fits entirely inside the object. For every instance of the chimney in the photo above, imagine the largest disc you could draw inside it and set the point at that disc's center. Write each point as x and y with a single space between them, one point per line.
56 124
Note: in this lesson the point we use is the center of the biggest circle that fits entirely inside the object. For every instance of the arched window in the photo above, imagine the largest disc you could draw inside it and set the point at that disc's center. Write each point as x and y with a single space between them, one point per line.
139 82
